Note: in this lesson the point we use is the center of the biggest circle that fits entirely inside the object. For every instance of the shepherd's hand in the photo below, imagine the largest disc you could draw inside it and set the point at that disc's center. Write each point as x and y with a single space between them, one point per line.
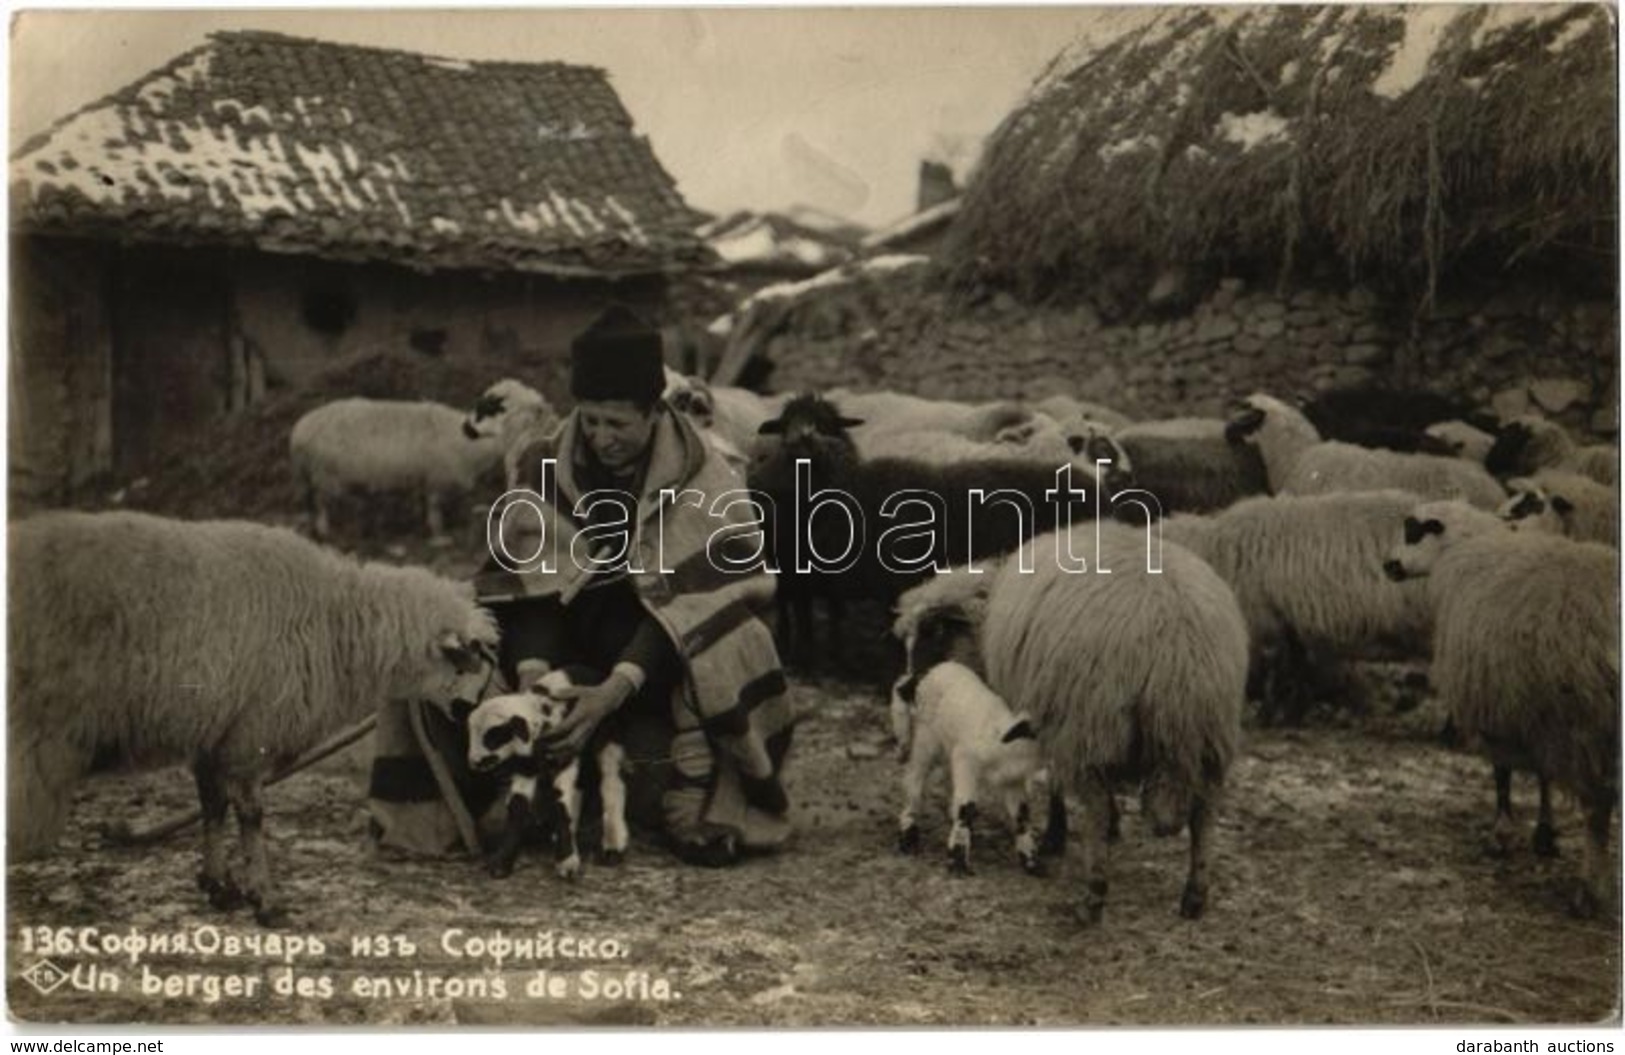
594 703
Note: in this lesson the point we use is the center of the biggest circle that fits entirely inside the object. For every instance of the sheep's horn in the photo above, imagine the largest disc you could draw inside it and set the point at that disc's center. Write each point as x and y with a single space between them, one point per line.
126 834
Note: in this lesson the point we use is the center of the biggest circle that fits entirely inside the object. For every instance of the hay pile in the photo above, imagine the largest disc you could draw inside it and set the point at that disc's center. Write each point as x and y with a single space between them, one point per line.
1399 146
238 466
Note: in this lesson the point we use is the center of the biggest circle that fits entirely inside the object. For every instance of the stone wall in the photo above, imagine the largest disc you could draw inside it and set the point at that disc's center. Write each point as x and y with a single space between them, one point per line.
1509 351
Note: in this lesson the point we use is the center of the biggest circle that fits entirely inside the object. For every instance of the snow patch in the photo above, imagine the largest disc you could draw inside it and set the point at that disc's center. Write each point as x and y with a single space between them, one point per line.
1251 130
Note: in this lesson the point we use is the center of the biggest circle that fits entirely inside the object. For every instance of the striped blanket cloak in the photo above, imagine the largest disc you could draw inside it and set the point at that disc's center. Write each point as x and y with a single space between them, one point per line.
692 564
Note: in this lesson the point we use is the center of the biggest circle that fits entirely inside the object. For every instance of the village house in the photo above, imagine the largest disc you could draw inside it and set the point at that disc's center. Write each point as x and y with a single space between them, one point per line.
264 207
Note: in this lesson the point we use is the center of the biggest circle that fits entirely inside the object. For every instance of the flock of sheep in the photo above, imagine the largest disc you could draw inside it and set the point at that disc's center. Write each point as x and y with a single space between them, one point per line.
1243 555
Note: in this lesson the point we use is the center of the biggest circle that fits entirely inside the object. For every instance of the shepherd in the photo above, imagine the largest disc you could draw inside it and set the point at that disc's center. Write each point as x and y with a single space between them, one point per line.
675 638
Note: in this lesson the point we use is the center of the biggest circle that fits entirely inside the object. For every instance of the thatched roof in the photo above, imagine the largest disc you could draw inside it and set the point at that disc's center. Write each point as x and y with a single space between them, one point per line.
1404 145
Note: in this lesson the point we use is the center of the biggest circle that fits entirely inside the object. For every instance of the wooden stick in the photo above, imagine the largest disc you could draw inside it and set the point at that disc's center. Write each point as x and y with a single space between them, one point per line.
125 834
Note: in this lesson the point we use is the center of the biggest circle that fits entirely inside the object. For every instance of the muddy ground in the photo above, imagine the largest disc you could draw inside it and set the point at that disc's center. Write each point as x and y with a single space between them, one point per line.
1351 884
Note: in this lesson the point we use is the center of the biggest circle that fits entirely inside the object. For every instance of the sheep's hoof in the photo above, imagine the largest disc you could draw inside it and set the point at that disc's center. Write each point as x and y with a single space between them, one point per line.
1545 841
1193 903
223 894
908 840
1032 865
612 858
569 868
499 866
959 861
1584 904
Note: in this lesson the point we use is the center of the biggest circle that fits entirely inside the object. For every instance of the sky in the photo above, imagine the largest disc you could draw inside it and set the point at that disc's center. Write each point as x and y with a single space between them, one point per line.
759 108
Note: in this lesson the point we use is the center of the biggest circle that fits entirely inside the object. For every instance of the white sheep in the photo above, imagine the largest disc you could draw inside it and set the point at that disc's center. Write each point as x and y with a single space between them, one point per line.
1070 412
1307 572
949 713
1528 444
1463 440
516 415
727 416
1526 658
502 739
231 646
387 445
1298 462
1563 503
897 412
1127 676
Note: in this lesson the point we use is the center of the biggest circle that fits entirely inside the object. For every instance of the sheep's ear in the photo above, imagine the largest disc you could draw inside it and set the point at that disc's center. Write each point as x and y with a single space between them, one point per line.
1562 505
1243 424
771 427
1021 730
461 710
464 659
1416 530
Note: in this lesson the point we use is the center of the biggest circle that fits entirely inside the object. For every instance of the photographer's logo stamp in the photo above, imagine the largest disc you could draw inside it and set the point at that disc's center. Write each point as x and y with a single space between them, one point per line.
45 976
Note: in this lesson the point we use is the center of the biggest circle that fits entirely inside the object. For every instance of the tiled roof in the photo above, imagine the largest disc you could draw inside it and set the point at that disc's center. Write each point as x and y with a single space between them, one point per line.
351 152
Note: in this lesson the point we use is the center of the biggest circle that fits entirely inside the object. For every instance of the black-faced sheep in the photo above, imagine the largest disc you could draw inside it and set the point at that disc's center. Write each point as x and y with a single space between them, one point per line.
1563 503
1526 657
1528 444
231 646
1385 418
516 415
1189 465
843 527
1127 676
502 739
387 445
948 713
1298 462
1307 572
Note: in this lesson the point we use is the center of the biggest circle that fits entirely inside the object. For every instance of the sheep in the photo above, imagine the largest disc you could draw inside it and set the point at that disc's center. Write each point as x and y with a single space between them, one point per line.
971 509
1189 465
1038 440
727 415
1126 676
1391 419
228 645
502 736
1298 461
896 412
1563 503
1307 572
387 445
947 712
1528 444
1069 412
1526 658
517 415
1462 439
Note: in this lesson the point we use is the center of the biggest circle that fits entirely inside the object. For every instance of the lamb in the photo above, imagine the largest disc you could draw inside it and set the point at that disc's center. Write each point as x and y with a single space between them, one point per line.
1563 503
947 712
1307 573
517 415
1189 465
1127 677
963 510
387 445
1528 444
1462 439
502 736
228 645
1298 461
1526 658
